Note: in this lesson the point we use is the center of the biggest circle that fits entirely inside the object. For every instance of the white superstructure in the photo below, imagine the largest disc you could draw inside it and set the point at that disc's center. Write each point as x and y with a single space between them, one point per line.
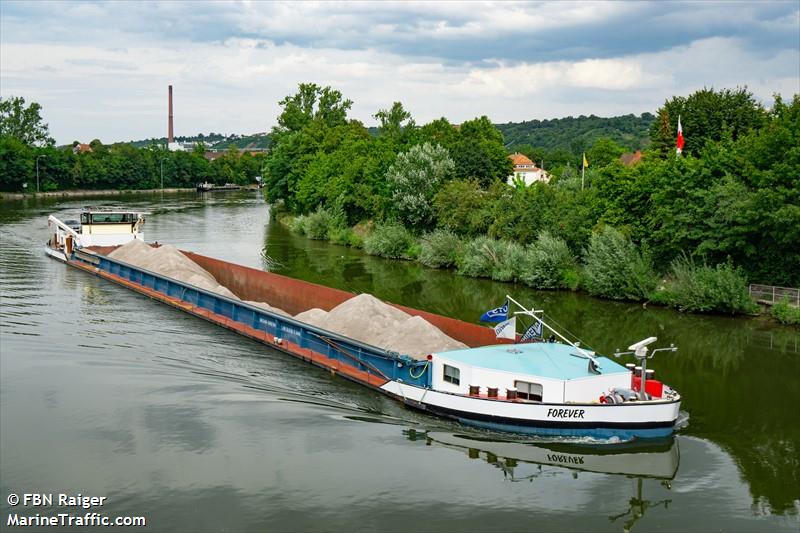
95 228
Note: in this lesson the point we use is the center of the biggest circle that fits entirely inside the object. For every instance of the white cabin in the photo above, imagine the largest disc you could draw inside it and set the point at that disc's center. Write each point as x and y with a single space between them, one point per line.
547 372
95 228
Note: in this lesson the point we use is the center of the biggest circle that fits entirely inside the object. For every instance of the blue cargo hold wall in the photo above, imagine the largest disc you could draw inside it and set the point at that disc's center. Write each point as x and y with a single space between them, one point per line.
388 365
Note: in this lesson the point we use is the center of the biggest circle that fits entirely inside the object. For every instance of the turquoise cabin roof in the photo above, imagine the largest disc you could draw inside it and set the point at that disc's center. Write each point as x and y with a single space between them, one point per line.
545 359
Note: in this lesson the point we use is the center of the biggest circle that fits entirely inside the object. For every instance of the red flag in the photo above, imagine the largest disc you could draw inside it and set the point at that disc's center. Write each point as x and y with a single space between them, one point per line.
679 143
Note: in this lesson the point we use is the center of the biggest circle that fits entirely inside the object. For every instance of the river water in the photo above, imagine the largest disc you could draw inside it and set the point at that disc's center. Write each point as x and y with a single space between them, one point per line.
104 392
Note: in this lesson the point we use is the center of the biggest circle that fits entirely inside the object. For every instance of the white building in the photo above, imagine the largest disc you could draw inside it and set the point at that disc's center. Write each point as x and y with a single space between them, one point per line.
526 170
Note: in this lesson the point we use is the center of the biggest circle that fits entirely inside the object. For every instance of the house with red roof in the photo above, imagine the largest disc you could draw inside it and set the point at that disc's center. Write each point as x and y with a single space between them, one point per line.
81 148
526 170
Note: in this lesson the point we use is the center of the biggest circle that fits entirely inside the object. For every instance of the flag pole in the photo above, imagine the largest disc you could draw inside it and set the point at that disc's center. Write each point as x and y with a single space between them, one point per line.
583 170
531 312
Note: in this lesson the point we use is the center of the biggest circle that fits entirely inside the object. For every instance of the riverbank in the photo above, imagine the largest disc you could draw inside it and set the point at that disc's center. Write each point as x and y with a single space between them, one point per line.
548 264
86 193
81 193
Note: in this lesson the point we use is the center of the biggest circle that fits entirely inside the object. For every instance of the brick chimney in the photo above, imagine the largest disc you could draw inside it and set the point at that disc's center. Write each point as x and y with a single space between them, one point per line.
170 133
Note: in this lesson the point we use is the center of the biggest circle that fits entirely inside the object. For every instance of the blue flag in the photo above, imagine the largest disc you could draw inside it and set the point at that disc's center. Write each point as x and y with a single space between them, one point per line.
498 314
533 332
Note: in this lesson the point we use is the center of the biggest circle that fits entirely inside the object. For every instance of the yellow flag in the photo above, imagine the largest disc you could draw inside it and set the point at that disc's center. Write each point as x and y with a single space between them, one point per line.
585 162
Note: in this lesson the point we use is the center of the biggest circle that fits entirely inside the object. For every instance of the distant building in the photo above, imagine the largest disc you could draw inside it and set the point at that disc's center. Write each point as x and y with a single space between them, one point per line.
176 147
631 159
81 148
213 155
526 170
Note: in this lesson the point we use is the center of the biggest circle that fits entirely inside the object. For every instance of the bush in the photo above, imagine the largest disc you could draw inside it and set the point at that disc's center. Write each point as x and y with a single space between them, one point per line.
318 224
298 225
703 288
511 262
616 269
549 264
345 237
484 257
439 249
785 313
390 240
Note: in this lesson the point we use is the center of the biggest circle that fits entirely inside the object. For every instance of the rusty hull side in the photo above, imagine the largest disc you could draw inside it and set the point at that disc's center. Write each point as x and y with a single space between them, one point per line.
295 296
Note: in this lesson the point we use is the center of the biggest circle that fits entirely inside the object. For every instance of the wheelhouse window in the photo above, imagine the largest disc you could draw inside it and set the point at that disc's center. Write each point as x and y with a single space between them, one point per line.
452 375
108 218
529 391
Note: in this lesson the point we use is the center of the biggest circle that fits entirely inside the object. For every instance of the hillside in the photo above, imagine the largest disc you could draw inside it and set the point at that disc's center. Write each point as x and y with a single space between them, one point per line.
578 133
574 134
214 141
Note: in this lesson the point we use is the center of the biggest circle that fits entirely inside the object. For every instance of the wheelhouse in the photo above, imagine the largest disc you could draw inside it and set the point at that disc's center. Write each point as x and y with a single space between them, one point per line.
95 228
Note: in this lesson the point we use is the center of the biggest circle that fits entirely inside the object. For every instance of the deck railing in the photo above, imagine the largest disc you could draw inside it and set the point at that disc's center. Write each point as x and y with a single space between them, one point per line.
769 294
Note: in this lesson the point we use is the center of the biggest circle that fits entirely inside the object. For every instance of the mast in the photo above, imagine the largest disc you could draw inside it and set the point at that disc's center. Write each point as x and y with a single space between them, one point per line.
531 312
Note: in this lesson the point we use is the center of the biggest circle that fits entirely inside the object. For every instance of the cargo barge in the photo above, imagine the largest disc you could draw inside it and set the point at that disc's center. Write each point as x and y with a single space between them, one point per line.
543 388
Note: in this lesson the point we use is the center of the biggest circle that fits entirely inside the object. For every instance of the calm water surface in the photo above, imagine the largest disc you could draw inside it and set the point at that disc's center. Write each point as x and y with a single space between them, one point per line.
105 392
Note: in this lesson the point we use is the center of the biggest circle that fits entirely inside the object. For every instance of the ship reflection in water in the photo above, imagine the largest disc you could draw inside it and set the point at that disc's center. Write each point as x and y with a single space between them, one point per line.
521 461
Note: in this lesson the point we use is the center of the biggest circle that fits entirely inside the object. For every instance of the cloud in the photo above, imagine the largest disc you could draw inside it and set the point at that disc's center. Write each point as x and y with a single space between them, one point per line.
101 69
452 31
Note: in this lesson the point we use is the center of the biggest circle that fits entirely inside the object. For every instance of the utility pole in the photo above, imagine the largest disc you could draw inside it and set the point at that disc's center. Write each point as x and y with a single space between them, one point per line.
37 171
162 172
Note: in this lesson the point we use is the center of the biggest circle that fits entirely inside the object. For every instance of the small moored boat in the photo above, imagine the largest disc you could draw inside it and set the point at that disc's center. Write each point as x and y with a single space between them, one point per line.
208 187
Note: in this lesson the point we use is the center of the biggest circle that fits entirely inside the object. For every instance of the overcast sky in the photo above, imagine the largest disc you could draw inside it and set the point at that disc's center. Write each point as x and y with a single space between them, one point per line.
101 69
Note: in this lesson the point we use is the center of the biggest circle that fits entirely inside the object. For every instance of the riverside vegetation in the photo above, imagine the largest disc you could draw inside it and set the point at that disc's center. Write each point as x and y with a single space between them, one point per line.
25 139
689 232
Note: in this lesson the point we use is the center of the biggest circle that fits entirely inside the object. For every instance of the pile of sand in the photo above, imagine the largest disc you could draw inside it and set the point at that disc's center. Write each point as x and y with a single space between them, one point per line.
170 262
131 252
416 337
363 317
369 320
315 317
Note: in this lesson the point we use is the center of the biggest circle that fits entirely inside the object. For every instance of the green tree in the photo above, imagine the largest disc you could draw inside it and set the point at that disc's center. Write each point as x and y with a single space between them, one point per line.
394 121
603 152
16 161
705 116
479 152
302 127
23 123
463 207
311 103
440 132
413 180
